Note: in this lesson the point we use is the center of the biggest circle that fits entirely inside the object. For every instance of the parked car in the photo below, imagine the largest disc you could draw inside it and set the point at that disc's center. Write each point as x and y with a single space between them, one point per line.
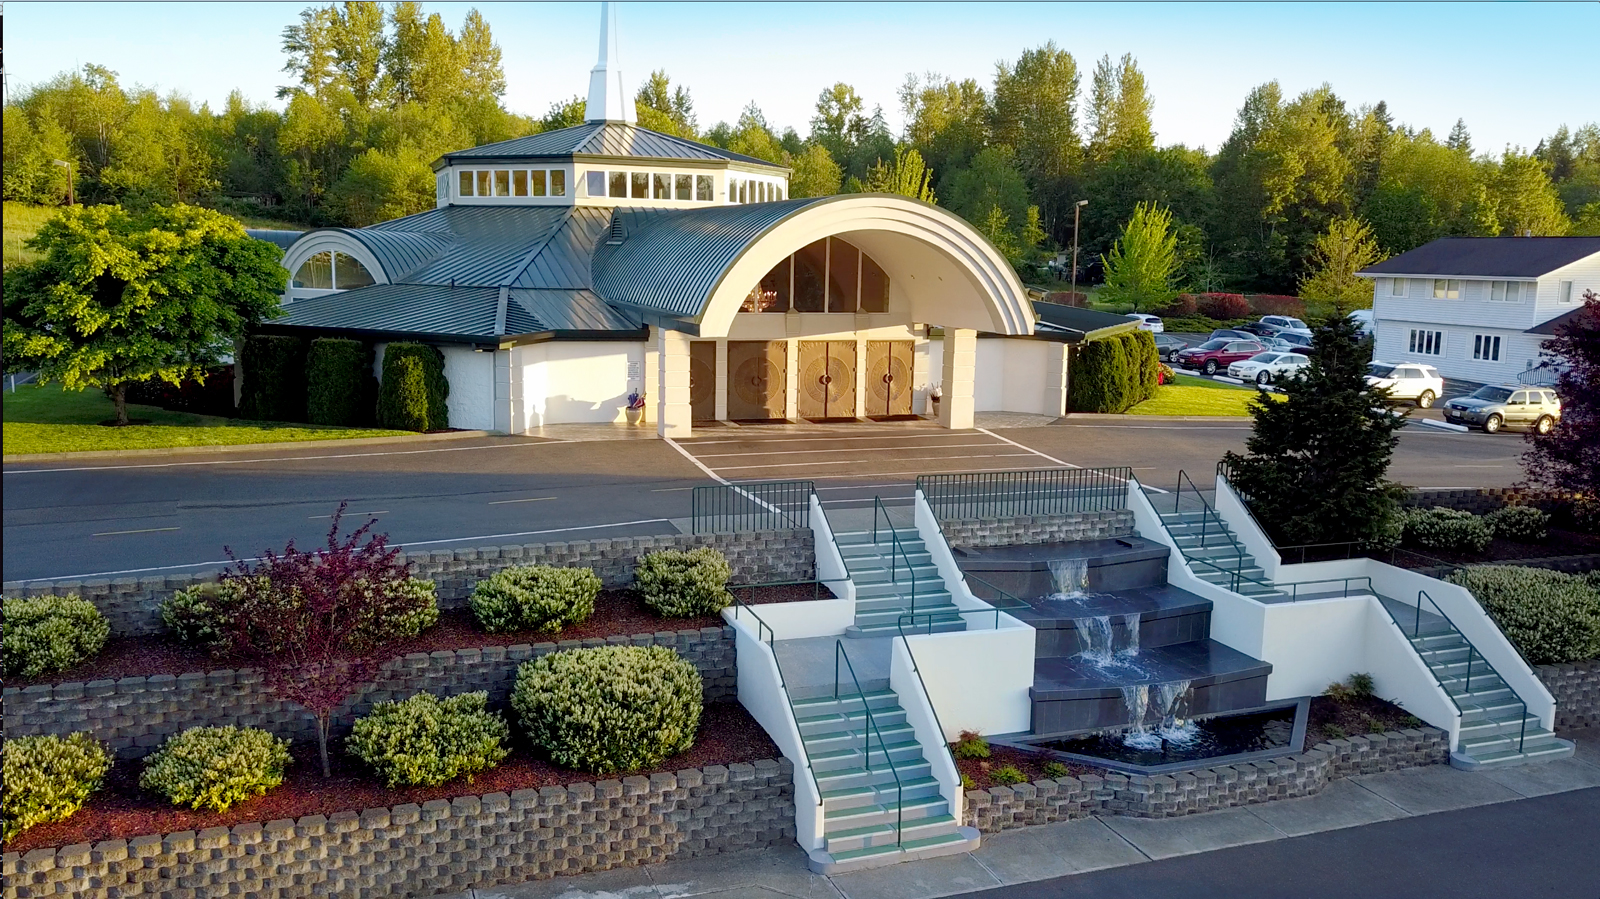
1232 334
1287 323
1151 323
1293 339
1168 347
1363 320
1510 406
1257 329
1215 355
1264 368
1407 381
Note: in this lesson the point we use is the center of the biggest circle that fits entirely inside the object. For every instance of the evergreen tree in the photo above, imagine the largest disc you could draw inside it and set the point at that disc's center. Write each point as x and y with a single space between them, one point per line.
1317 461
1459 140
661 108
1524 199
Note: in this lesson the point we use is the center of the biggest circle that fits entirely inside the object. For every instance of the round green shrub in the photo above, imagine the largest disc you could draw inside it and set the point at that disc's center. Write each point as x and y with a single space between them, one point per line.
198 615
51 633
1448 530
612 708
684 584
418 611
425 740
1549 616
203 614
1523 524
215 767
48 778
534 597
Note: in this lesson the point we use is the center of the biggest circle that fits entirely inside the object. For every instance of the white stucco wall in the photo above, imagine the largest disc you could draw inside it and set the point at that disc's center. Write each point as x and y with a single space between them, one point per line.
1011 375
471 377
575 381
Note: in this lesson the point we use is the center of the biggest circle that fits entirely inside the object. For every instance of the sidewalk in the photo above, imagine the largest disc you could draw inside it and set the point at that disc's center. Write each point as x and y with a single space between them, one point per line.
1075 847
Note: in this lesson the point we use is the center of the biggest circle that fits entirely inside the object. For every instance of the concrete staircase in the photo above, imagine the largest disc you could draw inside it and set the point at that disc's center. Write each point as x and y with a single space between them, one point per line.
870 818
1215 554
895 577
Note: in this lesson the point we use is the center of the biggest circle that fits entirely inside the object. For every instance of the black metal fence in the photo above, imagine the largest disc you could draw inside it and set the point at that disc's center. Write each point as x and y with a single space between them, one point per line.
1004 494
758 506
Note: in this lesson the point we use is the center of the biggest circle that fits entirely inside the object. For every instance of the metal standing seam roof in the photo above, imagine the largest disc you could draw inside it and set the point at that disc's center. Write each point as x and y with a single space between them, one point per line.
603 139
401 308
1489 257
283 239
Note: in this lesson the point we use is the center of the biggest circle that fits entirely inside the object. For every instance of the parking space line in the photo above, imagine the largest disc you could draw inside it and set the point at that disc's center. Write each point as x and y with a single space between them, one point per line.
829 438
858 449
864 461
1051 458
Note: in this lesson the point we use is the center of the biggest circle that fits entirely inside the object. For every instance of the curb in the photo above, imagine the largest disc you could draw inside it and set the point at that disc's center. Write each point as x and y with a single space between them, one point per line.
243 447
1123 416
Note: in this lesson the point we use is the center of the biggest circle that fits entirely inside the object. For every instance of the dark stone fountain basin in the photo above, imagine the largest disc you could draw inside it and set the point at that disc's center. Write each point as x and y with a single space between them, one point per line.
1120 563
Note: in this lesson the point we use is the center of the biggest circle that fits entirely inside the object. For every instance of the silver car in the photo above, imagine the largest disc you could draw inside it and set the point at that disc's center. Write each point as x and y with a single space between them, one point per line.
1512 406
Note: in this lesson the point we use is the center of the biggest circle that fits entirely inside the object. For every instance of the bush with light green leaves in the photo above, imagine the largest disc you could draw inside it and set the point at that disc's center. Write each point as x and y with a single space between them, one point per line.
216 767
426 741
1522 524
684 584
1447 530
534 598
1549 616
48 778
609 709
202 615
51 633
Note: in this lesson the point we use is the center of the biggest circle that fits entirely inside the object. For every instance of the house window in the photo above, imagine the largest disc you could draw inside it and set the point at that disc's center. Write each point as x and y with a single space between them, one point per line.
663 187
597 184
441 187
558 183
619 184
466 184
349 273
329 270
685 184
519 183
1444 289
704 188
1564 292
1486 347
1509 291
1427 343
536 186
484 188
641 185
1397 287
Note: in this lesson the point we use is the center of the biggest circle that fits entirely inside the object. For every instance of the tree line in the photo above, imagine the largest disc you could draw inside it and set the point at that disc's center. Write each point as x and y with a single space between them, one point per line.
378 92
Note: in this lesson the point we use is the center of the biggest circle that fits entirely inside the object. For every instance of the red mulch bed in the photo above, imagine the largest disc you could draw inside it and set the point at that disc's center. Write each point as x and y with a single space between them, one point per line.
121 810
1030 764
1333 719
615 612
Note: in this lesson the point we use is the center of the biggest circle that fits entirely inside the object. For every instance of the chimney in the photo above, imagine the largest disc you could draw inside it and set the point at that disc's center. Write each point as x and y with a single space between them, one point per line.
609 97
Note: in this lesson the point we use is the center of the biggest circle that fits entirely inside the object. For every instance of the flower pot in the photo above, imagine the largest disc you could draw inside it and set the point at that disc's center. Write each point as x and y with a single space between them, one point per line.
634 415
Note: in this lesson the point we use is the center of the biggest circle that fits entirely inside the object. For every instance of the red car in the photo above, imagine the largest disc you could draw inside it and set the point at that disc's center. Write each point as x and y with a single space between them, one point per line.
1218 354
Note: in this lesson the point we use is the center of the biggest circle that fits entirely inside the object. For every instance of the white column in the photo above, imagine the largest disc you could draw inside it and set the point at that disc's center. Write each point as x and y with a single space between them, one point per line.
507 393
919 373
960 370
1055 380
673 415
721 407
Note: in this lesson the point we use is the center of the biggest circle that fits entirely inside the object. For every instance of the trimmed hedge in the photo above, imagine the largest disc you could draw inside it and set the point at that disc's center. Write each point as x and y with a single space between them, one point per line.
1145 361
51 633
1451 530
684 583
1222 305
414 391
48 778
216 767
1523 524
426 741
1550 616
1277 304
534 598
340 387
274 374
611 708
1097 377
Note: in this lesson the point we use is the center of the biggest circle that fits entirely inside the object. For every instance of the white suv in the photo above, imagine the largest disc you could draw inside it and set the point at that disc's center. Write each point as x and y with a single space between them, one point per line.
1287 323
1264 368
1407 381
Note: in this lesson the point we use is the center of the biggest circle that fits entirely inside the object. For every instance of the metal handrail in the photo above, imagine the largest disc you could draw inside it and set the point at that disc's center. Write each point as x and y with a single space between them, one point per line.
782 682
1471 651
752 506
1225 471
866 738
894 546
1436 682
923 685
1208 514
1032 491
1016 602
1291 589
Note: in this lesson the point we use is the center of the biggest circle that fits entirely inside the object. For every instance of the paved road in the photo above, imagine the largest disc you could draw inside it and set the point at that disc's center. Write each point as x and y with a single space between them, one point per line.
98 517
1544 848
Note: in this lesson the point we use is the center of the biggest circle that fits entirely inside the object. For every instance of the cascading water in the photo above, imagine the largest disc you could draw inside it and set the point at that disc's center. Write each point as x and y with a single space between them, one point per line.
1137 698
1171 703
1095 636
1130 627
1071 577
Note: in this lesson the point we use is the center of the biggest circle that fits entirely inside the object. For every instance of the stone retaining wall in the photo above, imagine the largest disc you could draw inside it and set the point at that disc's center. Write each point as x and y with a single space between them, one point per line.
1576 688
132 605
1477 500
1038 528
1206 790
135 714
437 847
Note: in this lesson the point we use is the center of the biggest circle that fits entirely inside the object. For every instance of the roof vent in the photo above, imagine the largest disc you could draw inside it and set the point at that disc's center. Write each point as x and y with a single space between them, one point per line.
618 232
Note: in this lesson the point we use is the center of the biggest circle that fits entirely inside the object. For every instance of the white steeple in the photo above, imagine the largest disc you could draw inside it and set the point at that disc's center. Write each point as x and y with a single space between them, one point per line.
609 97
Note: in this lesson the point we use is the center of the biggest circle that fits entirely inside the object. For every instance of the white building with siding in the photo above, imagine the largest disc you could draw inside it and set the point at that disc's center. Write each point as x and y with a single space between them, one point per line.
1479 308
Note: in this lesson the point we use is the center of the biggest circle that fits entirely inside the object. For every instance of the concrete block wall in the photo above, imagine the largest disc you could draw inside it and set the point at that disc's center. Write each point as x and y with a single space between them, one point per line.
1576 688
1477 500
1027 529
435 847
132 605
135 714
1205 790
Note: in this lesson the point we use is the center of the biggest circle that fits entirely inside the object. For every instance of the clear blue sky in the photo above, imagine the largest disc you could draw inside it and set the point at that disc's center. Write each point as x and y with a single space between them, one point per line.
1514 71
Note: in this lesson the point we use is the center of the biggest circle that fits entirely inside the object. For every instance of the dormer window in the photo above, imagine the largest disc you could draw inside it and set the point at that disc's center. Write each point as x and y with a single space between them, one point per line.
510 183
330 270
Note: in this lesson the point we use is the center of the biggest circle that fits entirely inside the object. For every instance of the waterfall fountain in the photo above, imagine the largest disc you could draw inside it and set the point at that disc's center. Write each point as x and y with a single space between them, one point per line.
1130 627
1169 702
1071 577
1096 637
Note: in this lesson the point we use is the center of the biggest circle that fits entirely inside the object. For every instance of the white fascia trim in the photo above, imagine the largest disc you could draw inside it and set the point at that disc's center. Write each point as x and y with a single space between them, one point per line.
332 239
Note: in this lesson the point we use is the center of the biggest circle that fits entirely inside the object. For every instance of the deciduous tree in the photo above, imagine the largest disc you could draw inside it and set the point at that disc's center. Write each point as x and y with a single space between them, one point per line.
1346 248
1567 460
1142 262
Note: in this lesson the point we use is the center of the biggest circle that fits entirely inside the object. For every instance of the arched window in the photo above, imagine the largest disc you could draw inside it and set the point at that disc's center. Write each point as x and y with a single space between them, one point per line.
330 270
829 275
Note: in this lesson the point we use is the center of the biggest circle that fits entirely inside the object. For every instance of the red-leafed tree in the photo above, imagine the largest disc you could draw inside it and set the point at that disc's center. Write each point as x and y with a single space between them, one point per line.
315 622
1567 460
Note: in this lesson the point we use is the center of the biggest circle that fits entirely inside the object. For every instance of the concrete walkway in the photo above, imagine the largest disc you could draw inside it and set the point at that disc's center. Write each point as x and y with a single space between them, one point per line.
1091 844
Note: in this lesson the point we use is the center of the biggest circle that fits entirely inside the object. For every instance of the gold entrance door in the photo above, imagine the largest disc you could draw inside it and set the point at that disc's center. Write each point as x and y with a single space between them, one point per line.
889 378
756 378
827 379
703 380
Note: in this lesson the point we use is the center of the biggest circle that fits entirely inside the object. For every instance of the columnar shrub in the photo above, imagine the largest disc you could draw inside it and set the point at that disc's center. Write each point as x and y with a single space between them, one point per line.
1523 524
48 778
1222 305
1449 530
274 387
51 633
534 597
215 767
414 391
425 741
1550 616
339 388
612 708
1097 378
1145 367
684 584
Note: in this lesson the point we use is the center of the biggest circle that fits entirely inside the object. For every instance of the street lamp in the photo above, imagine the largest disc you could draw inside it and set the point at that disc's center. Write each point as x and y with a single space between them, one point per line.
1076 208
72 198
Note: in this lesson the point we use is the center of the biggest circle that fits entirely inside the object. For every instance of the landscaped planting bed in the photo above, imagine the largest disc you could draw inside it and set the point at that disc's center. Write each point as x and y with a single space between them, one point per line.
1337 719
994 771
121 810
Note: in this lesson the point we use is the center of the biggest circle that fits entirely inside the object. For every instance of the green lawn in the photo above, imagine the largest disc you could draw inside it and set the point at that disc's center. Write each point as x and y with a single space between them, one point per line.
22 220
1197 396
51 420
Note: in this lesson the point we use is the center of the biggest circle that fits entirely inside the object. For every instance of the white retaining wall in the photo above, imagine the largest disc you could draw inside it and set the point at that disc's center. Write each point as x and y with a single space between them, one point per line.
761 692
